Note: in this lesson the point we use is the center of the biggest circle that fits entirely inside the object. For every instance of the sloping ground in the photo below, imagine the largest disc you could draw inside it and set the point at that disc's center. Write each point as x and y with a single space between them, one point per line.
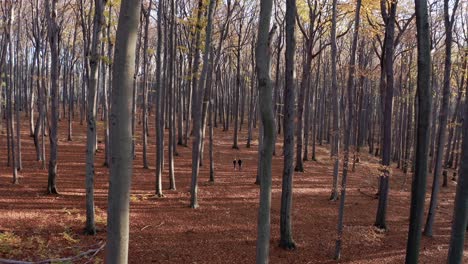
34 226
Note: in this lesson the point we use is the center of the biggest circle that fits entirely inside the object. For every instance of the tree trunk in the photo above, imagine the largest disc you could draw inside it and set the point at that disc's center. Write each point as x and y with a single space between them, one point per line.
336 127
442 118
159 122
262 56
197 110
91 114
418 189
286 239
120 133
146 14
172 91
385 170
54 36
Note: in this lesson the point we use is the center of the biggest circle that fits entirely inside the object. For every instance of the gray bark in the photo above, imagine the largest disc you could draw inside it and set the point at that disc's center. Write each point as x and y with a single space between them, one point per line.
263 62
120 133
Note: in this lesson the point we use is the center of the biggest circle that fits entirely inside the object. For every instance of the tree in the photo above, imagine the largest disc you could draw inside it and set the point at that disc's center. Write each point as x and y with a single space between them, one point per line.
263 64
336 126
146 14
54 38
286 240
418 189
98 22
197 110
443 115
159 106
387 103
348 127
121 133
460 214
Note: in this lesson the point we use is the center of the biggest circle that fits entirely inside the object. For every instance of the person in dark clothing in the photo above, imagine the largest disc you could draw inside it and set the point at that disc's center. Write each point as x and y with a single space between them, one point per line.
239 162
234 163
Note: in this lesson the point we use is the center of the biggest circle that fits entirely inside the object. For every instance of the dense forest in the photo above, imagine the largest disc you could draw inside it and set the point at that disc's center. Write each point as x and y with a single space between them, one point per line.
233 131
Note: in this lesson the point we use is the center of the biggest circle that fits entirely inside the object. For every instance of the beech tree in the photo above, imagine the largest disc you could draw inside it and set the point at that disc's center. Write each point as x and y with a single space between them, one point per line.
263 60
443 115
54 38
120 133
348 127
418 189
286 240
98 22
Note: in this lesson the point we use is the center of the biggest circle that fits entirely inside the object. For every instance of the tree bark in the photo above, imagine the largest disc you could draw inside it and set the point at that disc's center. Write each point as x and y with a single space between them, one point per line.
263 62
286 239
418 189
54 38
348 128
121 133
441 133
197 110
91 133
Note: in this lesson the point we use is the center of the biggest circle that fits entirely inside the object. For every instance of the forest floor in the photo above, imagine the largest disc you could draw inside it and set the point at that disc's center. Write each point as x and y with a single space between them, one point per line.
35 226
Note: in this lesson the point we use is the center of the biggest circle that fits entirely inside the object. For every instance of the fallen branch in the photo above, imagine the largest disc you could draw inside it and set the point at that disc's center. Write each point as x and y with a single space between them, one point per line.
92 252
369 195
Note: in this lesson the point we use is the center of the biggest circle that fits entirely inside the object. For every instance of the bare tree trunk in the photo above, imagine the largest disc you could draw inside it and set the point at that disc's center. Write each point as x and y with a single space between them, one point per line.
263 62
442 117
238 88
418 190
54 36
197 110
286 239
171 91
90 227
159 109
146 14
336 126
348 128
121 136
386 126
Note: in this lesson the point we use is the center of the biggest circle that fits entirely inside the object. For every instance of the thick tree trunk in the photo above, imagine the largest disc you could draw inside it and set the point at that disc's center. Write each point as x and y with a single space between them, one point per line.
54 36
121 136
286 239
418 190
262 56
385 170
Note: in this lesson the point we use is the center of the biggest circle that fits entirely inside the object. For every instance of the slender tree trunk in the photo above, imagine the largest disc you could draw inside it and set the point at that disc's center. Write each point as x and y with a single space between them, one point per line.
172 88
238 88
197 110
334 90
159 109
91 114
54 36
146 14
442 118
348 128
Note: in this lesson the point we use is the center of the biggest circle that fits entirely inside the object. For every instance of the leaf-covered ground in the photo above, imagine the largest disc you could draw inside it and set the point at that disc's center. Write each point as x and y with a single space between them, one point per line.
35 226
